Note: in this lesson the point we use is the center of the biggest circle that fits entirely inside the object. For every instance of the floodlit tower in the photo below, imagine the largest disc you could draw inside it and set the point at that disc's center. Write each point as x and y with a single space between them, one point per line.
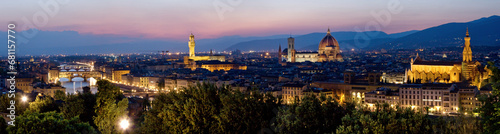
467 54
467 63
191 45
291 49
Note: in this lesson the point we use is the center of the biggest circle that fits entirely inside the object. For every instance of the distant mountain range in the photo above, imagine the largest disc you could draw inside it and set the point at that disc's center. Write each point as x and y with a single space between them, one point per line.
483 32
311 41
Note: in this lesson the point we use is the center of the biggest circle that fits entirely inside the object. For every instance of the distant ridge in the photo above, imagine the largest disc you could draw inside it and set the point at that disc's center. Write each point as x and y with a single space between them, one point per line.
311 41
484 32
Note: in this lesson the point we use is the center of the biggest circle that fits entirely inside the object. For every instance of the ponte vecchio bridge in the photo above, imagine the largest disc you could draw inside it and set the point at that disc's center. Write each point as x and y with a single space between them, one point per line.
68 71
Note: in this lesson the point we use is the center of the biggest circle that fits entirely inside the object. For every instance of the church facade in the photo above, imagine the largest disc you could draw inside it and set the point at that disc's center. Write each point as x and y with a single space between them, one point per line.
329 50
422 71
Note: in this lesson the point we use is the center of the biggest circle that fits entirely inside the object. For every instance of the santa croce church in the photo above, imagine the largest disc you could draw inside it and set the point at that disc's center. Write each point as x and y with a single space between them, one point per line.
422 71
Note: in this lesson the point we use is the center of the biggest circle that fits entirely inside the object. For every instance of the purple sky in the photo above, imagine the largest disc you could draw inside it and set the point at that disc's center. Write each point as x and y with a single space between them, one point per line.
175 19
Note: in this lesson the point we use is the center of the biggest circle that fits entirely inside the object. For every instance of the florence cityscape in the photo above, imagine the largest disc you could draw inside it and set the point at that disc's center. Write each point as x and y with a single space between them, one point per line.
238 66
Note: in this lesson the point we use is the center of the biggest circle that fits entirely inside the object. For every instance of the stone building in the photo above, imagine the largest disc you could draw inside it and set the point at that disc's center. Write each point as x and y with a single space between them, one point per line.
328 50
473 72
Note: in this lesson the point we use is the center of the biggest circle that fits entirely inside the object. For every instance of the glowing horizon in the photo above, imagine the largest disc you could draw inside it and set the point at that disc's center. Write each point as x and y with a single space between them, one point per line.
175 19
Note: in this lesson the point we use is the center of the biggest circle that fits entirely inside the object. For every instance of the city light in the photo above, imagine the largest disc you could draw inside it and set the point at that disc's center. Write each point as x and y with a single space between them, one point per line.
24 99
421 72
124 124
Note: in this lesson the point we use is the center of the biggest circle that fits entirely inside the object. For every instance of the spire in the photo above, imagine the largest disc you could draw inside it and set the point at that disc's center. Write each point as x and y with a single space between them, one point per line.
417 58
467 33
328 32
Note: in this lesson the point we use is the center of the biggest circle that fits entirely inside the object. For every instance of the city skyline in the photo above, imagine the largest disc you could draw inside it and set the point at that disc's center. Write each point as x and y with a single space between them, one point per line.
241 66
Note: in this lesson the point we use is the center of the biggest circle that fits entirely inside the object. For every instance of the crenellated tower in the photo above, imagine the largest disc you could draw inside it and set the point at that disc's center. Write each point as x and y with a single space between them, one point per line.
191 45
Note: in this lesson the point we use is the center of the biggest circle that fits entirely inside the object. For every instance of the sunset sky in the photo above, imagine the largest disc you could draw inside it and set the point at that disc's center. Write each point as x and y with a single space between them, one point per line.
174 19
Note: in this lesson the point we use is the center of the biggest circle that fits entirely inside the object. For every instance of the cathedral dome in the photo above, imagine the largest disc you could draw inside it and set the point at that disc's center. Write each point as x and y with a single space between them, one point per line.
339 56
328 40
322 56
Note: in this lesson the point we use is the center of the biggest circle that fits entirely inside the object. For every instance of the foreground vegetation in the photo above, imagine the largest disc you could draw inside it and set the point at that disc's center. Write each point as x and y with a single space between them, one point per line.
206 108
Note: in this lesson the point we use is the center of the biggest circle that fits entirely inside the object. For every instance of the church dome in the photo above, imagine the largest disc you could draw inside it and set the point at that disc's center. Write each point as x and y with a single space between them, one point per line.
328 40
322 56
339 56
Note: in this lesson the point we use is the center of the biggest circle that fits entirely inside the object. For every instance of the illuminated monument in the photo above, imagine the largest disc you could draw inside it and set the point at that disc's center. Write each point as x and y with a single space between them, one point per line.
449 72
329 50
192 57
211 62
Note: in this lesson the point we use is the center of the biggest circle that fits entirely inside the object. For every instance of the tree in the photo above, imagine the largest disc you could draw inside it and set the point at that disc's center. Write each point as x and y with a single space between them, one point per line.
245 112
86 89
89 111
107 91
49 122
310 115
73 106
60 95
206 108
44 104
109 116
20 105
161 85
385 120
490 110
3 126
110 108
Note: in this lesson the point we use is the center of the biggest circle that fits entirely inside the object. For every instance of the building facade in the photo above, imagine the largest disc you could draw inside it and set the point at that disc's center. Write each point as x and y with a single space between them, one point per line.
192 56
328 50
422 71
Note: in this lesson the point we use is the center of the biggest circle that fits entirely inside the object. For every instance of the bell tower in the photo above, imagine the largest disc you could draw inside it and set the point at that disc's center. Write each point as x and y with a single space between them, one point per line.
467 53
291 49
467 63
191 45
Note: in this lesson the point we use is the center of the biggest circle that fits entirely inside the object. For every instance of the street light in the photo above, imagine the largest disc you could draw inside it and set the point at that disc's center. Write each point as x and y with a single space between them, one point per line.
124 124
24 98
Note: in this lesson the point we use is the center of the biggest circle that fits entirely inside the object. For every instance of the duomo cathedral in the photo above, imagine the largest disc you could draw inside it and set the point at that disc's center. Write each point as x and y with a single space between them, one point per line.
328 51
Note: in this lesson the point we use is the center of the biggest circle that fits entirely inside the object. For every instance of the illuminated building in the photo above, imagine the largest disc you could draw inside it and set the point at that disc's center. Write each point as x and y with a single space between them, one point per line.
23 84
294 92
394 78
328 50
291 92
449 72
117 75
440 98
217 65
192 57
49 91
380 96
